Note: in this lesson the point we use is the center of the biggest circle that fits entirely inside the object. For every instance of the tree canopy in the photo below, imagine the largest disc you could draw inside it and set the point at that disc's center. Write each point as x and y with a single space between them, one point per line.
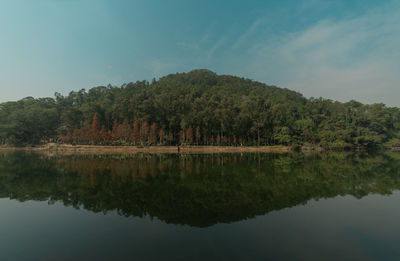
197 108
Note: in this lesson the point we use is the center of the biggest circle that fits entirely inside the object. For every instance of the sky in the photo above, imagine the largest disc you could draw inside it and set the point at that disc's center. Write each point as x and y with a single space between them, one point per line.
335 49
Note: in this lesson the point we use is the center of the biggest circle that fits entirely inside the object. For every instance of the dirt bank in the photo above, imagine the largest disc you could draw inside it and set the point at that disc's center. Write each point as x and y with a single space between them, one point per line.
94 149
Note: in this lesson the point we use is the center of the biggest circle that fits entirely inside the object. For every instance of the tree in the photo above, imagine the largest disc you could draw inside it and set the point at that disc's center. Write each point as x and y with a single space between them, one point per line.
135 134
161 135
153 133
218 140
144 132
198 135
114 131
95 129
189 135
124 131
199 107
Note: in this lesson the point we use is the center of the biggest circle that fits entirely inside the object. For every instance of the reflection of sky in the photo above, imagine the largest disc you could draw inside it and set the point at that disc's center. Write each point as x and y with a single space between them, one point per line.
336 49
342 228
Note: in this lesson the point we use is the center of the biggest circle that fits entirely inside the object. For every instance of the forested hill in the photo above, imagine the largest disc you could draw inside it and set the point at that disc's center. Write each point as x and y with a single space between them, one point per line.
198 108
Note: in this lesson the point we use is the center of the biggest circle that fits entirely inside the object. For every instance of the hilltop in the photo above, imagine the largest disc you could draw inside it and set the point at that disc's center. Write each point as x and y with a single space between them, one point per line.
197 108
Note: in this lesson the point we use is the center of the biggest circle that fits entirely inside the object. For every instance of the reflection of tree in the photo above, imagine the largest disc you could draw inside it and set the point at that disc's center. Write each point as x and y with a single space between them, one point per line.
198 190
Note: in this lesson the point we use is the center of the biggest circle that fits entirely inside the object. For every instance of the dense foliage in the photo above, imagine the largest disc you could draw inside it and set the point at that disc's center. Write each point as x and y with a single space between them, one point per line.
198 108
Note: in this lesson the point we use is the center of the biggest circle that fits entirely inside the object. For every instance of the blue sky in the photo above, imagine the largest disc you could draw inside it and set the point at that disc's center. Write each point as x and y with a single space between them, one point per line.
336 49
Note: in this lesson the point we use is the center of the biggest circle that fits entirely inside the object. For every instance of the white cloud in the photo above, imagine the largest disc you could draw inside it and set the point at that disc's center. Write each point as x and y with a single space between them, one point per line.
355 58
215 47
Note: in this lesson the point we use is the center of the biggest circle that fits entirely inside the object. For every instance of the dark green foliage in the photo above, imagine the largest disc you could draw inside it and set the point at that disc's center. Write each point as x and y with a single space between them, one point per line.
224 110
28 121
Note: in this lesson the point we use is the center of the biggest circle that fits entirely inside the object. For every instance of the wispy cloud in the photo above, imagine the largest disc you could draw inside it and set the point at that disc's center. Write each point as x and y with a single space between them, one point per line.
216 46
355 58
247 33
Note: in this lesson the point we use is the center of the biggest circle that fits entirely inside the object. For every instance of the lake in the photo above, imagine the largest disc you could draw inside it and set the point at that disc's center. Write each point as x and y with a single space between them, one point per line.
314 206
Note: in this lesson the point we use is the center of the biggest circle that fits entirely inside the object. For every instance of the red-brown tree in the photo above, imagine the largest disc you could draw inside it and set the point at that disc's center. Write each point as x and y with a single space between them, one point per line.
161 135
189 135
153 133
95 128
218 140
135 134
144 132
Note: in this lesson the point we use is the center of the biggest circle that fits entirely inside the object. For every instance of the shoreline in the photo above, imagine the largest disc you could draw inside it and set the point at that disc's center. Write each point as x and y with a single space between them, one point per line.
67 149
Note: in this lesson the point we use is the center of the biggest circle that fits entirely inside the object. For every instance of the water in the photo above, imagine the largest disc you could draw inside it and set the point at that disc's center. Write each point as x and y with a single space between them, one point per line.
333 206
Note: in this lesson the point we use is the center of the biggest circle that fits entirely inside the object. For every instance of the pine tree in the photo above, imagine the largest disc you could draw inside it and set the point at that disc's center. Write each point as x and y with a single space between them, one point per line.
161 135
198 135
95 128
224 140
241 141
144 132
189 135
135 134
218 140
153 133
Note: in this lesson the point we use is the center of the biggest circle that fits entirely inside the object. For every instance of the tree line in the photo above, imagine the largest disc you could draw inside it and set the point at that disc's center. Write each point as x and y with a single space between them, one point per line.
197 108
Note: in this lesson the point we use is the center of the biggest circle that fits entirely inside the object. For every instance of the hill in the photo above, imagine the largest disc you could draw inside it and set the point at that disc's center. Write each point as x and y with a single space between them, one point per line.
198 108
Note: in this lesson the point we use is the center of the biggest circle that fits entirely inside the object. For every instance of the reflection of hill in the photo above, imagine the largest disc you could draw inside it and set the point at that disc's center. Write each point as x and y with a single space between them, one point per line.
195 190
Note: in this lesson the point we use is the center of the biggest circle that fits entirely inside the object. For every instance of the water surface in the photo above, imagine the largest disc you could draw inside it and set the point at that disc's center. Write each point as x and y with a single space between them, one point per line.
334 206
